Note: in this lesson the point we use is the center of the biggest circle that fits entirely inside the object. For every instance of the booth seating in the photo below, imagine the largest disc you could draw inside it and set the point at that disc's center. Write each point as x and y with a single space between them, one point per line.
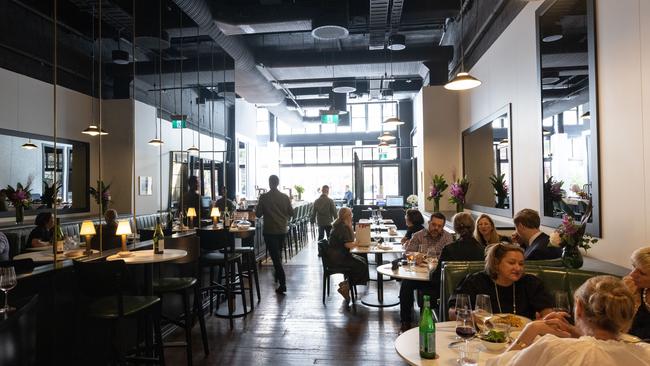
554 278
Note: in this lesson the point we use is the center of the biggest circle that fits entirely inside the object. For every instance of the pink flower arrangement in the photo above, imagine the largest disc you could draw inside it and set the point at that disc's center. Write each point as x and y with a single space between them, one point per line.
20 196
571 233
458 191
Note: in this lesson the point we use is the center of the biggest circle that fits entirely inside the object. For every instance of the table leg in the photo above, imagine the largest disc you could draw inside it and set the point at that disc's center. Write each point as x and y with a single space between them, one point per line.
380 303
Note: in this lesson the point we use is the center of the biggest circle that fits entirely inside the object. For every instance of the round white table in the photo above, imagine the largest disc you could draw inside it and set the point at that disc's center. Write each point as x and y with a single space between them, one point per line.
44 256
148 258
419 273
407 346
379 252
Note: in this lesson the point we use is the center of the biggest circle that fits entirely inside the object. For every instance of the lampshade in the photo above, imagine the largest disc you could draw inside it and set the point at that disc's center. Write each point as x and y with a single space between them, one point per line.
29 145
156 142
393 121
396 42
88 228
462 81
344 86
191 212
215 212
586 115
193 149
93 130
386 136
123 228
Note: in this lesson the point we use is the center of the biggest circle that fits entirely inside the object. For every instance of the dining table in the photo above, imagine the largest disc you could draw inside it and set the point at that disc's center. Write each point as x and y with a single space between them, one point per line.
379 251
46 256
148 258
448 347
403 272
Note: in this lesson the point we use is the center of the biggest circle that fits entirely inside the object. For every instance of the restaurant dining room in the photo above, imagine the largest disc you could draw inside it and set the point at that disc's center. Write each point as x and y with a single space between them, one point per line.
341 182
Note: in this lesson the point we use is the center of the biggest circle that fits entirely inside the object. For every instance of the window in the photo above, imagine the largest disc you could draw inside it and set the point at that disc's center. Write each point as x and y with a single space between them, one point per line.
285 155
323 154
283 128
358 117
262 122
310 155
335 154
328 128
389 110
312 128
347 154
374 117
298 155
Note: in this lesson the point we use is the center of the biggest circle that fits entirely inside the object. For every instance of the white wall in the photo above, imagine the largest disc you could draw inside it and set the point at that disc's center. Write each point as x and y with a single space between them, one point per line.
509 74
246 131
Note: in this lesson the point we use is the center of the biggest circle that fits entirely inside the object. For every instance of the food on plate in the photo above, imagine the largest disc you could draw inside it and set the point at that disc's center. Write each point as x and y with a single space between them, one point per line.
494 336
514 321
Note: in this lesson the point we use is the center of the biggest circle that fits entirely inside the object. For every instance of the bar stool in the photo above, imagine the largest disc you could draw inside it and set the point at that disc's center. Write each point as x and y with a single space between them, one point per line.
249 262
184 286
101 298
218 252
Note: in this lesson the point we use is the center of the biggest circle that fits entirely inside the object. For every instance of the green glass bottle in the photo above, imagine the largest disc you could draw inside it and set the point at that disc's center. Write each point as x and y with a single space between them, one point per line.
59 239
427 332
158 238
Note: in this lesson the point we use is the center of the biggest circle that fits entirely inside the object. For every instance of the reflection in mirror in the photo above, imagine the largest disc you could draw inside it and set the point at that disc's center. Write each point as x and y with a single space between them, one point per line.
37 166
487 164
567 77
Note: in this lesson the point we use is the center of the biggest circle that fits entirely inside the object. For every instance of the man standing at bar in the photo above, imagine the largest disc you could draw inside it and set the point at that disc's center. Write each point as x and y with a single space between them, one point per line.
348 196
324 213
275 207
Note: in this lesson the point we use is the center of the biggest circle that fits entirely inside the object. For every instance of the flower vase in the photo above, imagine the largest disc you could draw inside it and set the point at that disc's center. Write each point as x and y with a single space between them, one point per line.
20 214
571 257
436 205
460 207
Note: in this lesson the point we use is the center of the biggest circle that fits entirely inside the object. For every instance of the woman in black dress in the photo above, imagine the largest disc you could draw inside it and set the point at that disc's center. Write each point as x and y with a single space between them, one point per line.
414 223
486 232
510 289
338 252
40 236
639 281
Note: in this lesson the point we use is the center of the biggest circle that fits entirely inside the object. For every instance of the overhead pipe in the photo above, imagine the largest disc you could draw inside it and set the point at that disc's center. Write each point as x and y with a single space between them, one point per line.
249 81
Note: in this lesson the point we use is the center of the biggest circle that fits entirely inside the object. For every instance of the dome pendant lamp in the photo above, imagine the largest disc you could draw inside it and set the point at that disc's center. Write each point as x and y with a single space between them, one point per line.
462 80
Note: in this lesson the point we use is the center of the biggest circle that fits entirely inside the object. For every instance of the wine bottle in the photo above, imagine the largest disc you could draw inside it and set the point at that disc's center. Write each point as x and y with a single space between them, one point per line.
158 238
226 217
427 332
59 239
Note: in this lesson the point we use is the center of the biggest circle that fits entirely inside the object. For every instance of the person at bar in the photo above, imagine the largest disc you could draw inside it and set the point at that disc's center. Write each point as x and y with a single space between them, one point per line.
638 281
347 196
414 223
535 243
486 232
275 207
338 253
604 309
107 230
40 236
323 213
192 198
224 202
431 240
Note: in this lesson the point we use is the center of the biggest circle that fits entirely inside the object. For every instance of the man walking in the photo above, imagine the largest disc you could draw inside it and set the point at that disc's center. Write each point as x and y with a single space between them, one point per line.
275 207
324 213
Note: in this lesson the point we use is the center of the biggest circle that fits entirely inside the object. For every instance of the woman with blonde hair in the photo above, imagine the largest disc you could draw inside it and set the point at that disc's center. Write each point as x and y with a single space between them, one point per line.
604 309
638 281
341 240
486 233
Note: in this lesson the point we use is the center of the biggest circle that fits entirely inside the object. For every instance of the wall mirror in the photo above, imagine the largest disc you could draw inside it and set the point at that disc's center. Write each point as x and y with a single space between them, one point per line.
487 163
37 165
567 74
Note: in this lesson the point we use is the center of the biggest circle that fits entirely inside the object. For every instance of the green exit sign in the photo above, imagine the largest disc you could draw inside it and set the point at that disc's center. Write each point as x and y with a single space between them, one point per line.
383 156
179 121
329 118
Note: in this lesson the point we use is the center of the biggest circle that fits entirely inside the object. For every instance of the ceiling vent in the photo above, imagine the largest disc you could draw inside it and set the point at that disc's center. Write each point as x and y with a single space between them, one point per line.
330 32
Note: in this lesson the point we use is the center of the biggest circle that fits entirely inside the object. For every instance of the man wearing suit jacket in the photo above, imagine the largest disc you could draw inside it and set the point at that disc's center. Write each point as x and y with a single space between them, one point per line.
527 234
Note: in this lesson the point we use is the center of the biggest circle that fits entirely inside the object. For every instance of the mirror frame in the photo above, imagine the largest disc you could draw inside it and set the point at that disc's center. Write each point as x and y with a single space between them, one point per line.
593 227
507 110
27 135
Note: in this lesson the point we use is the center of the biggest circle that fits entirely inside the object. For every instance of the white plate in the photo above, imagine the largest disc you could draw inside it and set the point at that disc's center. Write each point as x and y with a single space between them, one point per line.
522 320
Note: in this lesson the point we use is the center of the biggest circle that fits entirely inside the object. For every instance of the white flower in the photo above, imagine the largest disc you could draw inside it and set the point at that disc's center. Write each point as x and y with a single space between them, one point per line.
555 239
412 199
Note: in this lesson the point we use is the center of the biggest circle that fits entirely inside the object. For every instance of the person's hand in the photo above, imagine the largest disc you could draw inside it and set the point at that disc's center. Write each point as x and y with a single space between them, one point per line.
563 317
515 238
558 327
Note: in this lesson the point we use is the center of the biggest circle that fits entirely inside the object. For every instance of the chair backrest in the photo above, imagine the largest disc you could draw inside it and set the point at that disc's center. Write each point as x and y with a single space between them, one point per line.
14 244
554 278
101 278
20 265
17 335
188 243
212 240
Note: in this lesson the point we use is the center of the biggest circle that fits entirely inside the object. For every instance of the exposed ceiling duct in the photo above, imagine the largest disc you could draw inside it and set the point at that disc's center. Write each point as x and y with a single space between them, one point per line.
378 22
249 81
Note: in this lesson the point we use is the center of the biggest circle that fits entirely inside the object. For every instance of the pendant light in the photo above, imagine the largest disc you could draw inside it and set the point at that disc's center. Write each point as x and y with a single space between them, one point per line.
156 142
192 148
93 130
392 121
386 136
463 80
29 145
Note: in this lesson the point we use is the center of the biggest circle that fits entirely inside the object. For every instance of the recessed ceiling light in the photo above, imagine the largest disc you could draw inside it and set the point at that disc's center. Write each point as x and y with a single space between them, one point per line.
330 32
344 87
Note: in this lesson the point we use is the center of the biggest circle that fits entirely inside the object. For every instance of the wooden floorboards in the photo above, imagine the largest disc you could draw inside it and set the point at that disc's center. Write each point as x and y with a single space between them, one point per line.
297 329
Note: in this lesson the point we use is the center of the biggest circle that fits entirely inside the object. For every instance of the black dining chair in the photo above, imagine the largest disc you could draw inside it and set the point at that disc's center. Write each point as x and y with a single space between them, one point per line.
184 285
101 298
21 266
330 269
218 253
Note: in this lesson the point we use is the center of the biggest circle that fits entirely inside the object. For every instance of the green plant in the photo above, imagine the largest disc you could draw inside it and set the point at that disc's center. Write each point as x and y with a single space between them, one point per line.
50 193
300 189
500 189
101 194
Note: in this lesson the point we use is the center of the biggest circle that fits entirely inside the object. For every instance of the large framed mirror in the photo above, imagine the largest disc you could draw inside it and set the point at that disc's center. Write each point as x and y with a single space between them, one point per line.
487 163
567 73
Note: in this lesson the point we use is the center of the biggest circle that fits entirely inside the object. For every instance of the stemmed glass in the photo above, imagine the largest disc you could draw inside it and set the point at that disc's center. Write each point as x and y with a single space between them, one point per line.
562 304
482 311
464 319
7 282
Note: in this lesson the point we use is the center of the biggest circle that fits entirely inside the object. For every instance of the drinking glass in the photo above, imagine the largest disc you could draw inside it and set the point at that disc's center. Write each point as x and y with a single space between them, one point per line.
410 257
562 302
482 311
469 357
465 325
7 282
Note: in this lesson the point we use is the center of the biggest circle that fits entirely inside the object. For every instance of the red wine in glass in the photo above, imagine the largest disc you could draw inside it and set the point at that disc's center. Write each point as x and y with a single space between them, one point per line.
465 332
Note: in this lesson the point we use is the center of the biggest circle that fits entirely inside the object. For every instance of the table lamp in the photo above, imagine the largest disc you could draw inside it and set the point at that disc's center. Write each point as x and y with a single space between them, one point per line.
88 230
191 214
123 229
214 213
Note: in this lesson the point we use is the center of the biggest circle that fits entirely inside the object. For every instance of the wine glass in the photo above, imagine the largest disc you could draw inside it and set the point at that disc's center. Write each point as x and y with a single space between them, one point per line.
562 302
7 282
465 324
482 310
462 305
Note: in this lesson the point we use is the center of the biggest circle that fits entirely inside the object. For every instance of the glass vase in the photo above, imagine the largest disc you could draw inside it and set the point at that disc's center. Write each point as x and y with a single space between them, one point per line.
460 207
571 257
20 214
436 204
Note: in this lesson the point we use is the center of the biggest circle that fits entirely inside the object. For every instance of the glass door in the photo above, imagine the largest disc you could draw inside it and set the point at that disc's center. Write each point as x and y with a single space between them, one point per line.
379 182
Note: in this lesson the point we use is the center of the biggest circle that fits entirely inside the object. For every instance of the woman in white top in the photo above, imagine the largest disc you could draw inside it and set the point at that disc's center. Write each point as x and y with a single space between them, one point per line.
604 308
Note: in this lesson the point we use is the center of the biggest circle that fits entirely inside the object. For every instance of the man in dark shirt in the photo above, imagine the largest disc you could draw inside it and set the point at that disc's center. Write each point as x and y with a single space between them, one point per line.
534 242
324 213
192 198
224 202
275 207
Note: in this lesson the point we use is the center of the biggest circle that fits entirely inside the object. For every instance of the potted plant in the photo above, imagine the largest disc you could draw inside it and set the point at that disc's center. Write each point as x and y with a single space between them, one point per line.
500 189
300 190
553 193
412 201
50 193
437 187
101 194
20 197
571 236
458 193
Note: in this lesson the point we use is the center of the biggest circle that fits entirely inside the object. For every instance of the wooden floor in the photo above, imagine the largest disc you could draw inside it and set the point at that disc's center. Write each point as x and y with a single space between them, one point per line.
297 329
